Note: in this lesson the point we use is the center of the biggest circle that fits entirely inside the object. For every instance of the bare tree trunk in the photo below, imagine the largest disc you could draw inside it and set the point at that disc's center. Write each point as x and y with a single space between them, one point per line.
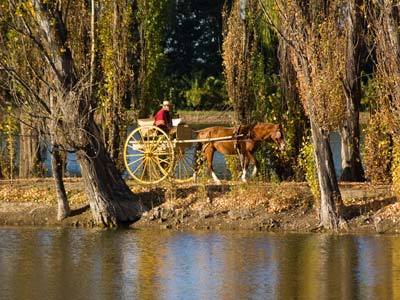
29 152
92 45
331 200
57 170
350 150
112 202
350 131
114 130
290 93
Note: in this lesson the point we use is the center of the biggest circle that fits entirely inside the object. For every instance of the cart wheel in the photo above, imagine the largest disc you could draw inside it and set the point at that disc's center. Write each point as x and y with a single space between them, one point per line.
185 160
148 155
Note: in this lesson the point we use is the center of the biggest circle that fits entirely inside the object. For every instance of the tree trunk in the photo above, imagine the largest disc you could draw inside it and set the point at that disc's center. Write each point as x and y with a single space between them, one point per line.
114 132
57 170
111 201
298 124
352 169
92 44
29 152
331 200
350 131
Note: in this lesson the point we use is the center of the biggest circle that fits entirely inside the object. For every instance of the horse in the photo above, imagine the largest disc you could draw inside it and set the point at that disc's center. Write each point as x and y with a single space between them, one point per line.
244 142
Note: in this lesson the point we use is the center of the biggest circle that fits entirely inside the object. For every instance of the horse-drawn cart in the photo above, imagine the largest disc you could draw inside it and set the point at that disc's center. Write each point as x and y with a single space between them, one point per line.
151 155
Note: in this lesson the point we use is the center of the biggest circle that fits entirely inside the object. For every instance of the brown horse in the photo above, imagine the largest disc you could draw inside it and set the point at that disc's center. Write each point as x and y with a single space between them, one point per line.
249 137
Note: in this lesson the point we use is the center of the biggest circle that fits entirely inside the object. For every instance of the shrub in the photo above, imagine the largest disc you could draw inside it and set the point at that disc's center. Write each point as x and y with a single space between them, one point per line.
307 163
378 149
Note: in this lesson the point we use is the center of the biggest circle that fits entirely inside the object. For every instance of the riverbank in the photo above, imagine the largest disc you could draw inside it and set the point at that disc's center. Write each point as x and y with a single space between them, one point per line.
286 206
203 117
215 117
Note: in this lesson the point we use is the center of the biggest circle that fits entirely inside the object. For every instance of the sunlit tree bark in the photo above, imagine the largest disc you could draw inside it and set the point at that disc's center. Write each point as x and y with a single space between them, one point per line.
350 130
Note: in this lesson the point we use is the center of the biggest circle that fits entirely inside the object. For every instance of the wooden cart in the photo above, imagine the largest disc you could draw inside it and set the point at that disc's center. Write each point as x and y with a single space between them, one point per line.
151 155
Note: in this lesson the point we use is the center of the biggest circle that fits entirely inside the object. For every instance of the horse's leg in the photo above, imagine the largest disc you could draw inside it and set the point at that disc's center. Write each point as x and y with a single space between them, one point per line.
241 161
255 163
209 152
245 165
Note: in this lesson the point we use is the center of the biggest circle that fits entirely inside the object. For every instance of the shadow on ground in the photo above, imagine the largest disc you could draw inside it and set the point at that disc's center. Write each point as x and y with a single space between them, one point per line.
78 211
356 210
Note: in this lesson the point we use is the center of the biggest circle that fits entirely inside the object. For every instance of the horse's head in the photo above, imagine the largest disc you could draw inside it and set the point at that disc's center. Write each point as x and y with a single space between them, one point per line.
279 137
265 131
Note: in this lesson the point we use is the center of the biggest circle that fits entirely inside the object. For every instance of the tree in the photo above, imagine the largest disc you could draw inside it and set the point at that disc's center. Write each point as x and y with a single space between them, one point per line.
310 28
29 148
115 52
350 129
239 50
385 21
194 38
61 70
152 16
294 117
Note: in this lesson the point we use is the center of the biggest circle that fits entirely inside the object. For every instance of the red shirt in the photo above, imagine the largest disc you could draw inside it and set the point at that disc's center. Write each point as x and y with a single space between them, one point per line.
163 115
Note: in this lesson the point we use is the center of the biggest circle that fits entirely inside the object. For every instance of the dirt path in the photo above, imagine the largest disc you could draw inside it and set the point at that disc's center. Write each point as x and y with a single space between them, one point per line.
286 206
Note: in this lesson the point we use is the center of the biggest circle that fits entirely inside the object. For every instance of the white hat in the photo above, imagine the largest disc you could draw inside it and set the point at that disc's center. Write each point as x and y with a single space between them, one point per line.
166 103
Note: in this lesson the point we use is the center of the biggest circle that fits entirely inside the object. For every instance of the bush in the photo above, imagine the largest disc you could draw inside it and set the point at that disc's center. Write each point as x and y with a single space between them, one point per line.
206 94
307 163
378 150
396 167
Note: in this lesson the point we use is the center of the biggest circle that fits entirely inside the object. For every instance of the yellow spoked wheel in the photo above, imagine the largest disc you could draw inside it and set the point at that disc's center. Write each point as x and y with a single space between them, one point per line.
185 160
148 155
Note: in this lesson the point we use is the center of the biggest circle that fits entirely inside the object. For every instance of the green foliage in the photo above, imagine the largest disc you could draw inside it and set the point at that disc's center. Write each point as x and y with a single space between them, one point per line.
153 16
205 94
114 49
395 170
268 99
378 149
194 36
273 105
233 165
370 90
307 163
267 160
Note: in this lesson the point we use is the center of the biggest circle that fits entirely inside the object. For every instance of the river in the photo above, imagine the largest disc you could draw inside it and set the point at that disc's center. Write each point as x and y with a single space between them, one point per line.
43 263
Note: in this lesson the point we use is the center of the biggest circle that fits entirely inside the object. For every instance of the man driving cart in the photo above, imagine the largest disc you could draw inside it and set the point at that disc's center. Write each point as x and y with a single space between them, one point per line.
162 118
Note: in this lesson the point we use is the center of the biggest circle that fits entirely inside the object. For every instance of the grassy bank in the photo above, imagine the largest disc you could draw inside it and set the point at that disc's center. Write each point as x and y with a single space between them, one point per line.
284 207
206 117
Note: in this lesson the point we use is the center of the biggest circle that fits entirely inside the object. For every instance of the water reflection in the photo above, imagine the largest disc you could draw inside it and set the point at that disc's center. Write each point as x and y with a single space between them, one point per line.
97 264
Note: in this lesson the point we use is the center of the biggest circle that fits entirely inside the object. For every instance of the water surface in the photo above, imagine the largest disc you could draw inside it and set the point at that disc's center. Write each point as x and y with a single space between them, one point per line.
73 168
40 263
